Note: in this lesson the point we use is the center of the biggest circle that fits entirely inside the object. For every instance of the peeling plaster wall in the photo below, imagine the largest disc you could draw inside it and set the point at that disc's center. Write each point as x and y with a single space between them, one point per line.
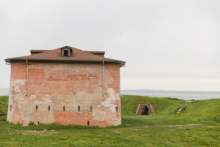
69 85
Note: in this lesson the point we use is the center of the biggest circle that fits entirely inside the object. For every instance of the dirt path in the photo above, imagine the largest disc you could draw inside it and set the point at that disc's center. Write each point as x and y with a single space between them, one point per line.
180 109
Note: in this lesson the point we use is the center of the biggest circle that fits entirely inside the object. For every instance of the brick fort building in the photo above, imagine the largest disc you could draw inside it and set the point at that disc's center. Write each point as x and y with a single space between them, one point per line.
65 86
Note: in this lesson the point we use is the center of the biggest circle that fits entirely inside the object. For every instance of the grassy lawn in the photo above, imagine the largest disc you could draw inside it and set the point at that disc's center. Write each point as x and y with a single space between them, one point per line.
198 124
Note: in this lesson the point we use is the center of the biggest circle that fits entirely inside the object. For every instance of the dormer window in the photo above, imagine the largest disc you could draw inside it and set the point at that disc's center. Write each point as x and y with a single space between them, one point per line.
66 51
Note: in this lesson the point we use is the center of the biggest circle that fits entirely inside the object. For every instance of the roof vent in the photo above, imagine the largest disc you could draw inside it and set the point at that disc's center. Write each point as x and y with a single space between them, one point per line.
37 51
99 53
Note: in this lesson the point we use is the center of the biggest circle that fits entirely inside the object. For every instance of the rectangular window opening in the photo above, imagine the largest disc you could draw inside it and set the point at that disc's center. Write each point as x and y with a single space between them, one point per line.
66 53
79 108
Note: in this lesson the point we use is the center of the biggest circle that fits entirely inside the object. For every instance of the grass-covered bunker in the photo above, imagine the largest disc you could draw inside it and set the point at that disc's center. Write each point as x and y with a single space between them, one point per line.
144 109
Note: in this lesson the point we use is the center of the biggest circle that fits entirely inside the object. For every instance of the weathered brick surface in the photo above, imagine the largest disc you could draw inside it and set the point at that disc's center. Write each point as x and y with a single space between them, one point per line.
18 71
113 70
65 84
59 77
76 118
17 117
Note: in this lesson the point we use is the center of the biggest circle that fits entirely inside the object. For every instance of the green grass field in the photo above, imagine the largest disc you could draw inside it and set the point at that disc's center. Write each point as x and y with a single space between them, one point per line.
3 105
198 124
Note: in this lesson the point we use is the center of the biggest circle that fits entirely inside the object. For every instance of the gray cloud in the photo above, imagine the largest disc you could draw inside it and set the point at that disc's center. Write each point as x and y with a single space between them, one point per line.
170 40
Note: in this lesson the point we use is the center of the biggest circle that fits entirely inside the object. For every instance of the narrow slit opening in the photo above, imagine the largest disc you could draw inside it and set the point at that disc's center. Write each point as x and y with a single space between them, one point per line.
87 123
63 108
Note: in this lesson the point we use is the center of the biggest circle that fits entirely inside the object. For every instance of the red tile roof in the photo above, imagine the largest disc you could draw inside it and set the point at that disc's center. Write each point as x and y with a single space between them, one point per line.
77 55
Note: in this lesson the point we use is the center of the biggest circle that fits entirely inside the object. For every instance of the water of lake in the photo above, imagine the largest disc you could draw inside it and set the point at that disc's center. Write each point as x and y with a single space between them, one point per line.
4 91
186 95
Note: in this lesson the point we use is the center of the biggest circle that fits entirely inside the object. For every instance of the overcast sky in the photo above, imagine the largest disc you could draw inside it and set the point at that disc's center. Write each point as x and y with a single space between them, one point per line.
167 44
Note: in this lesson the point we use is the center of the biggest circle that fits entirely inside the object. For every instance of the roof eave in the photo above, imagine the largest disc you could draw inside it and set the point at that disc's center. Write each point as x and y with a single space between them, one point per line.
122 63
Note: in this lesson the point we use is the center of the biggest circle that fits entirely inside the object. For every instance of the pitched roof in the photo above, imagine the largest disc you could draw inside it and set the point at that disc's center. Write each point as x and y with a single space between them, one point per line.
77 55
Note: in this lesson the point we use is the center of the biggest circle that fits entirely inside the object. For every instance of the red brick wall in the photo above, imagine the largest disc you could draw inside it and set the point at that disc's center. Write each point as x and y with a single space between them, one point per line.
17 117
59 78
50 78
18 71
